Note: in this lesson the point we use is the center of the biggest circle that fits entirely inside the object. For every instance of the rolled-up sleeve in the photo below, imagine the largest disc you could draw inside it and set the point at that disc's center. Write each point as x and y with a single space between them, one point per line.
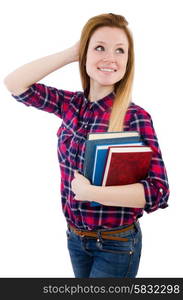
46 98
156 185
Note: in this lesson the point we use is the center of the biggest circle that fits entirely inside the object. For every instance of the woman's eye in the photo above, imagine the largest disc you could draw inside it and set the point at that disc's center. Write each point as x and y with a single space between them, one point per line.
99 48
120 50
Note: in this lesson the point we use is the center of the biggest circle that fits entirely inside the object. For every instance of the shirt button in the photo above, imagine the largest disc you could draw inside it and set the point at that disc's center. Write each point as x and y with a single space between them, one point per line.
161 190
85 126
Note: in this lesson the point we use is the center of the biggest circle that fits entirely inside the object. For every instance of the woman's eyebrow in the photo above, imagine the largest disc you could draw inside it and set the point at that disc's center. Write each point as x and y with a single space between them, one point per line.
118 44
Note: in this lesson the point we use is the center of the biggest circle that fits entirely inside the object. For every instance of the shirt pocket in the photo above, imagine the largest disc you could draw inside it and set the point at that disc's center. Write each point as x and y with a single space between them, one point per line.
68 146
65 137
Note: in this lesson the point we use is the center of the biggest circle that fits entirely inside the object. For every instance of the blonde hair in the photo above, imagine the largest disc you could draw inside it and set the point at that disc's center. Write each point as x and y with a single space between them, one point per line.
123 87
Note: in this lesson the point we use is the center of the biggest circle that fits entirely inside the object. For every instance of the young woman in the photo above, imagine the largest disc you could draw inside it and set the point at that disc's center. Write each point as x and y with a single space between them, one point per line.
104 240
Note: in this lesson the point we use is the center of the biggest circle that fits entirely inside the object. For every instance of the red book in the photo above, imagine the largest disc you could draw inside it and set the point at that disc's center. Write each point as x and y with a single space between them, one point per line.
126 165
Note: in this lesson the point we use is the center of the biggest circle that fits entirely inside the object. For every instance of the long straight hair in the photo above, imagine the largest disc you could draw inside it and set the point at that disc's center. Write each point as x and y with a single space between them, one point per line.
122 88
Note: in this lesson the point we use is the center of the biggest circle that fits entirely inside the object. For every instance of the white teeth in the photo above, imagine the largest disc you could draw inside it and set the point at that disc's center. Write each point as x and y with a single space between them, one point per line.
106 70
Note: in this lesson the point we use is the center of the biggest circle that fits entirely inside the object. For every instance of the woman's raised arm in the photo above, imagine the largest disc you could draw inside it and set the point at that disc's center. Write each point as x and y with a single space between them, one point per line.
22 78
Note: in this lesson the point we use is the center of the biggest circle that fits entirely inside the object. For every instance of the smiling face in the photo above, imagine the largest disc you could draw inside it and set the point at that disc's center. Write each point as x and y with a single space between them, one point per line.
107 57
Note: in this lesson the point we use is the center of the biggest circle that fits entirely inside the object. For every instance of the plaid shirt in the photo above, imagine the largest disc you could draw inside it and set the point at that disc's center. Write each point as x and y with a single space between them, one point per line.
79 117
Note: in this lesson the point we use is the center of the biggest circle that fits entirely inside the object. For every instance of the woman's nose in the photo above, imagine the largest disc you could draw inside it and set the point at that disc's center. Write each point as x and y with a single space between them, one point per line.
109 55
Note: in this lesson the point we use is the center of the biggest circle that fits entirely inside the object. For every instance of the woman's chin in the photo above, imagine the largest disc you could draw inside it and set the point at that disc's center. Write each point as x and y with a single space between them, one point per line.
106 82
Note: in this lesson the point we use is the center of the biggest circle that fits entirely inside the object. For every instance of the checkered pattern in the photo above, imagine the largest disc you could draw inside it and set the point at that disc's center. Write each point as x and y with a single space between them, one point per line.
79 117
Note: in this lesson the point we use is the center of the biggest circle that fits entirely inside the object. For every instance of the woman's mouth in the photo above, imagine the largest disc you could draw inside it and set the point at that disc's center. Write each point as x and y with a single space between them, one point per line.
107 70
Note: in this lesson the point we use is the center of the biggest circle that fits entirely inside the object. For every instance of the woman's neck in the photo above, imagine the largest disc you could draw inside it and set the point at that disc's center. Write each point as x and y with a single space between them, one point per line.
97 93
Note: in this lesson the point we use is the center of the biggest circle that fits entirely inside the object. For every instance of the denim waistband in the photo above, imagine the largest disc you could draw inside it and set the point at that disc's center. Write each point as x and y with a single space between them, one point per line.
105 233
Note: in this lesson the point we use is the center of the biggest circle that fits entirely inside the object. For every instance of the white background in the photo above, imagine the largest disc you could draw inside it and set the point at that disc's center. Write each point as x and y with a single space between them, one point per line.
32 225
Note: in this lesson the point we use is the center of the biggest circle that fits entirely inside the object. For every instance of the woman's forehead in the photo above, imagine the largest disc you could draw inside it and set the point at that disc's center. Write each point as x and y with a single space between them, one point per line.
109 34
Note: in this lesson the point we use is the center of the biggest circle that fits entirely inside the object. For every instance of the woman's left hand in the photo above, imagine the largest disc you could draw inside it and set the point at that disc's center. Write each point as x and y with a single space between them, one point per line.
80 186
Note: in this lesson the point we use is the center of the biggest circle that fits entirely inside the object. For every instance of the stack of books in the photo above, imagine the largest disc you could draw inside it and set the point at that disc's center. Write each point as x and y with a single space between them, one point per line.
116 158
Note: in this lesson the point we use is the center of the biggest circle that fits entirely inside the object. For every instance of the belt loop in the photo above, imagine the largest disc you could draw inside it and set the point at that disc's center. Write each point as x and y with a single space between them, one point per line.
99 237
136 225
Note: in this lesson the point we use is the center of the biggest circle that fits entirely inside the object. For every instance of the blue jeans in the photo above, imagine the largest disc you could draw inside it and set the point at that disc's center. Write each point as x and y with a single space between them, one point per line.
93 258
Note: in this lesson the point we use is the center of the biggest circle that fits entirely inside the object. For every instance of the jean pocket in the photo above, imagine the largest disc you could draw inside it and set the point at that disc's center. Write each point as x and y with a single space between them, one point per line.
116 247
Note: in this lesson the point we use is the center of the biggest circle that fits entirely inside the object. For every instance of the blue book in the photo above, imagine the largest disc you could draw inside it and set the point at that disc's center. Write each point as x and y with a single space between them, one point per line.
92 144
104 139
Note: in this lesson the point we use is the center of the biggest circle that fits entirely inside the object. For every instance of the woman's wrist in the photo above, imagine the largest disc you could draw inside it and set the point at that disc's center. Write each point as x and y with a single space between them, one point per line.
92 192
73 52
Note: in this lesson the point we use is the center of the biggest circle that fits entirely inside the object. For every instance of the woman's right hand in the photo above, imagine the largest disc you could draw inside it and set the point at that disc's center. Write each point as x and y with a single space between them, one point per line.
75 51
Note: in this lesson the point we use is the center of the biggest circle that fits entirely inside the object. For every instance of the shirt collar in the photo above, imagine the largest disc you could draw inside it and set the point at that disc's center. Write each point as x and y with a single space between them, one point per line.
104 104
